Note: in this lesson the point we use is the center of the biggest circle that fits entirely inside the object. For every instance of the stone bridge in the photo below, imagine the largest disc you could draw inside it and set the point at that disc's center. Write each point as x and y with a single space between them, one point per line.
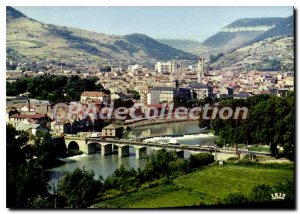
107 146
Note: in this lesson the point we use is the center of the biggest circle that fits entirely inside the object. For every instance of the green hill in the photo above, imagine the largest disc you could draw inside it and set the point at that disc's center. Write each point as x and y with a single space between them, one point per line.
30 40
273 53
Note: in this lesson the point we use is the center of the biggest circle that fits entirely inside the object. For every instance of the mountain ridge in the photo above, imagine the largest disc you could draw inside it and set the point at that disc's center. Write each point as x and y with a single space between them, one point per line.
60 43
240 33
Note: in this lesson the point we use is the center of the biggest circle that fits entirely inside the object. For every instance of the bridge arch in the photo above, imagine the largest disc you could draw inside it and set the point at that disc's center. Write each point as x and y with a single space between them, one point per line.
73 146
93 147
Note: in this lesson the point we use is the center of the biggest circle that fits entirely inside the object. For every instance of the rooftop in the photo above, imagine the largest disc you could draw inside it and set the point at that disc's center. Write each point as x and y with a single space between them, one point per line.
198 85
27 126
29 116
93 94
163 88
112 126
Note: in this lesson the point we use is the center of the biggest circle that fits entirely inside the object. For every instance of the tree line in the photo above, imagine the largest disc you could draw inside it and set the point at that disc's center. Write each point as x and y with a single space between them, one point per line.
270 121
54 88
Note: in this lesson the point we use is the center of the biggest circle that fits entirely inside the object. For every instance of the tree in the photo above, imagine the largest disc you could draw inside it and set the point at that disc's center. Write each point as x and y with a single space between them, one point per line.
54 88
25 183
48 149
79 188
136 94
201 159
158 164
270 121
123 179
14 141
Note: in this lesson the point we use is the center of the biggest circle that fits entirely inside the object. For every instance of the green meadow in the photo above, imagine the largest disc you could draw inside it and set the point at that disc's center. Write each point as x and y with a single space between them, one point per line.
205 186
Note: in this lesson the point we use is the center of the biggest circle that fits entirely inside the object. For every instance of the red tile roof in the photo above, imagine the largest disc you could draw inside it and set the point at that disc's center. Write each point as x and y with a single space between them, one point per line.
29 116
93 94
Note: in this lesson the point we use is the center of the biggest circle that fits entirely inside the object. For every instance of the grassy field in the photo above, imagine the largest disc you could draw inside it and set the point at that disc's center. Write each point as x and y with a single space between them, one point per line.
207 186
259 149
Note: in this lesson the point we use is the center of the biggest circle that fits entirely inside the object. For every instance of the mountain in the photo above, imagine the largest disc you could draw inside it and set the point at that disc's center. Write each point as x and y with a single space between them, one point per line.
244 32
283 27
12 13
240 32
30 40
272 53
182 44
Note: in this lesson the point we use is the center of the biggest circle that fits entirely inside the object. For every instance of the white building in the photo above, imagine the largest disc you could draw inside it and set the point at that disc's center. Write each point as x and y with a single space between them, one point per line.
166 67
160 95
135 67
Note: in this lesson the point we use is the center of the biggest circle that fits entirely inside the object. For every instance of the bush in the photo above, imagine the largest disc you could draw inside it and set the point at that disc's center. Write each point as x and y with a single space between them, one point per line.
178 167
235 198
166 181
199 160
79 188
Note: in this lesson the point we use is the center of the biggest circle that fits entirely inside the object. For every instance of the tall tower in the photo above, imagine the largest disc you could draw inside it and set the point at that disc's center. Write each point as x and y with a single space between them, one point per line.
200 70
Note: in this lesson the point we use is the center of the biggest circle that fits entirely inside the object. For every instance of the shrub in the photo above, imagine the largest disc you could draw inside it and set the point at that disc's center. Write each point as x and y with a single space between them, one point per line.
199 160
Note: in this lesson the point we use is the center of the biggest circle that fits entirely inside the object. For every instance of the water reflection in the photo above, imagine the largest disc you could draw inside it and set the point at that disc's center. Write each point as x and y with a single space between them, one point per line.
164 129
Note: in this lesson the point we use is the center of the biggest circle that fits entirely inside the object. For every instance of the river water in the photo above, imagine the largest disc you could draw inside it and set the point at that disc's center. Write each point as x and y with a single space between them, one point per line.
105 166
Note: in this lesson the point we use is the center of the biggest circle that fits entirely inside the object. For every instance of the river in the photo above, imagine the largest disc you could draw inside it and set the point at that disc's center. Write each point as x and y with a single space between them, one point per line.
105 166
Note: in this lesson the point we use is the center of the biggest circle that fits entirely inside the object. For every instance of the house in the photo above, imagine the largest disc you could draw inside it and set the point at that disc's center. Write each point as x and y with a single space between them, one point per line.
31 128
161 95
112 131
183 93
94 96
60 127
200 91
242 95
282 92
122 96
16 119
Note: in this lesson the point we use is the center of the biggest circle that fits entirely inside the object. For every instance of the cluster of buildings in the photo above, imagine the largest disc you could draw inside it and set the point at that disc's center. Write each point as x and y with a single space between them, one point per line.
164 84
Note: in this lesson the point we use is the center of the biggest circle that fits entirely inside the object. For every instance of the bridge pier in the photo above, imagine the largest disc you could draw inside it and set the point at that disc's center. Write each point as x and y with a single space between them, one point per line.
140 152
106 149
123 151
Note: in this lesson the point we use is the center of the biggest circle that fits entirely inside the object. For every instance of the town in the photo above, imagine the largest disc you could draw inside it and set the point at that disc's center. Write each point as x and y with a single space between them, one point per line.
168 82
107 119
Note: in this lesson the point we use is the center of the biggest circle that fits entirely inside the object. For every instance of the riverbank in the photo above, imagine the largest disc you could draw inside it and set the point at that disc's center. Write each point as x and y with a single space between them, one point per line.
206 186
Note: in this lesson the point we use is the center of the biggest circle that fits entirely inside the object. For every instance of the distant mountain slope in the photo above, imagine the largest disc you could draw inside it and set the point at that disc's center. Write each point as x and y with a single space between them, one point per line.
247 31
283 27
237 34
274 53
181 44
240 32
30 40
12 13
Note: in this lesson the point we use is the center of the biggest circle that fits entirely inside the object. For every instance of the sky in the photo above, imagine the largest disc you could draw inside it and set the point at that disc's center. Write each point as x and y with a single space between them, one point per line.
194 23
